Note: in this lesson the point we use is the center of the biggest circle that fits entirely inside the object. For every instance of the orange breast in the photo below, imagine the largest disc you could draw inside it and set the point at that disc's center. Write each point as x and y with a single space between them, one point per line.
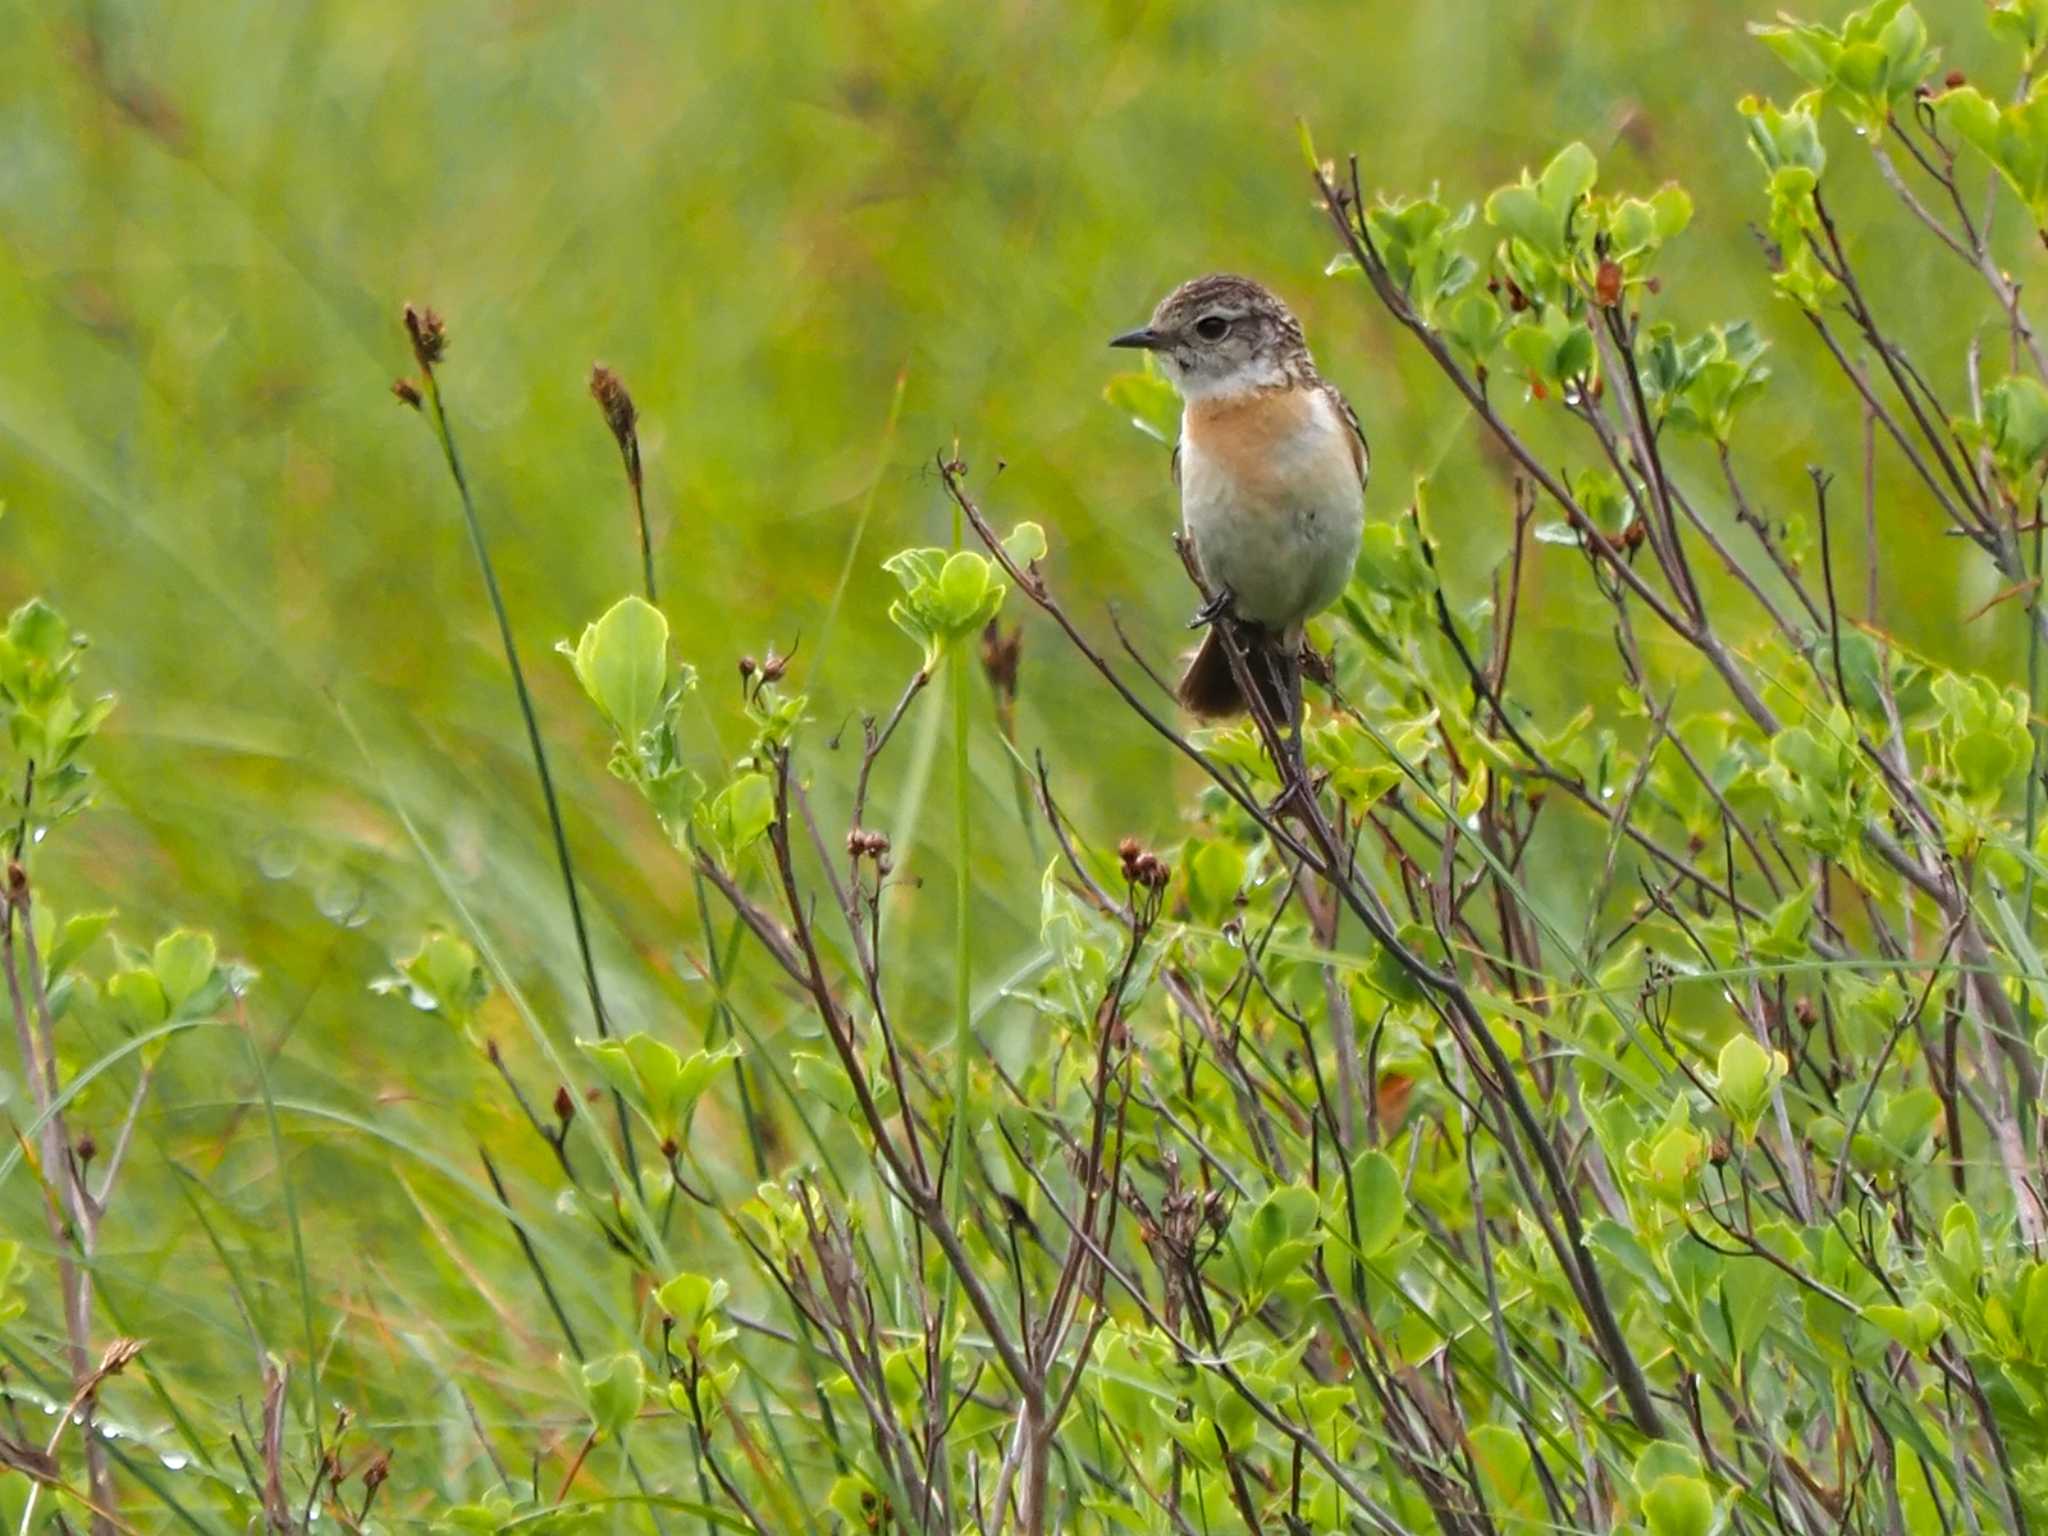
1273 450
1247 436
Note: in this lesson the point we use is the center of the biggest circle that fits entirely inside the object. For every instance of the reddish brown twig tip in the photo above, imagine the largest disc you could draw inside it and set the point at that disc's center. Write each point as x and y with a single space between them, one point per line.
609 391
428 333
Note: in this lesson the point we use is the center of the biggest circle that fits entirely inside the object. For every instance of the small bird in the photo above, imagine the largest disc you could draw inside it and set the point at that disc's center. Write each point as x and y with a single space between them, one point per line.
1271 466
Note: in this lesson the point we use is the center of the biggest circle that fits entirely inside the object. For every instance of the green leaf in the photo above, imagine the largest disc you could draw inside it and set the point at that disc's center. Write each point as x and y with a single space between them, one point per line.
1418 240
1860 69
1621 1245
1474 326
737 817
2012 427
1287 1213
1674 1155
1671 205
963 583
1982 733
1568 177
1752 1291
1962 1242
1216 871
140 996
1378 1201
613 1390
1801 54
1862 672
1518 212
1574 358
1878 56
1278 1238
1915 1327
825 1081
622 662
1916 1481
659 1081
615 1065
1679 1506
445 976
1538 212
690 1298
1025 544
946 597
1509 1472
2034 1311
183 962
39 634
1909 1117
1385 973
1785 139
2013 138
2023 24
1555 348
1148 400
1745 1074
78 934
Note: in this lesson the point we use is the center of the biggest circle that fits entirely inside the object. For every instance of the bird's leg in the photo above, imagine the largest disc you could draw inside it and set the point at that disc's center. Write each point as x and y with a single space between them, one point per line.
1297 791
1290 685
1217 607
1289 663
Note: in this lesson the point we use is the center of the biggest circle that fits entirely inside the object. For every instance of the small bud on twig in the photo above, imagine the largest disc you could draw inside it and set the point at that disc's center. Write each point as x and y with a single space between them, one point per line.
565 1105
863 844
1216 1209
609 391
1607 283
428 333
1141 867
408 393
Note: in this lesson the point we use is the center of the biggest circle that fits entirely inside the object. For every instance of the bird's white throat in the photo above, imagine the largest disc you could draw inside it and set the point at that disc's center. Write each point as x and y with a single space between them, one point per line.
1249 377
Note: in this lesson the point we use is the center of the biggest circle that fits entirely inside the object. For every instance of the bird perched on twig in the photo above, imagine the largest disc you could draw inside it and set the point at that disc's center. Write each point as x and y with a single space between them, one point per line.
1271 466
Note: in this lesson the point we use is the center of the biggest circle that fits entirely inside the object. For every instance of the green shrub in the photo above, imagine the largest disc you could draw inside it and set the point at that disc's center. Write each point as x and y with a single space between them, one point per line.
1481 1119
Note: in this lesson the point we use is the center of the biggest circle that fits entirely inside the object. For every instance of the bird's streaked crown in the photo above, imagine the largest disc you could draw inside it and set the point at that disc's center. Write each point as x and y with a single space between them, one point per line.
1224 334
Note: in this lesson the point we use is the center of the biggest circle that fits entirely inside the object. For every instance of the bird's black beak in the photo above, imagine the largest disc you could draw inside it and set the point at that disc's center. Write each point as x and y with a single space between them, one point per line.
1144 336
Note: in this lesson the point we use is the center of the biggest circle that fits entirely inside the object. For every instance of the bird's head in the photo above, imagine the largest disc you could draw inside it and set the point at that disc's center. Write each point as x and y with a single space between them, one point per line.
1222 335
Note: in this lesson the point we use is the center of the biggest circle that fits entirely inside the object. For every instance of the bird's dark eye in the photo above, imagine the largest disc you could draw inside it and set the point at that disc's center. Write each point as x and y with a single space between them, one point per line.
1212 327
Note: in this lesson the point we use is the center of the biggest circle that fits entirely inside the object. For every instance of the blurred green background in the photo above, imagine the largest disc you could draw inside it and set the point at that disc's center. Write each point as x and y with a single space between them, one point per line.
773 221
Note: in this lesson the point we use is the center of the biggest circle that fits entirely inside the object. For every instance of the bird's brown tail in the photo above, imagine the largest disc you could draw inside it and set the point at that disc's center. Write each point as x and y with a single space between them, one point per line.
1208 688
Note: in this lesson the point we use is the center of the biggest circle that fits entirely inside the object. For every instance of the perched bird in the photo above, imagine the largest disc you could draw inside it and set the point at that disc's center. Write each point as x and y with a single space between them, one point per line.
1271 466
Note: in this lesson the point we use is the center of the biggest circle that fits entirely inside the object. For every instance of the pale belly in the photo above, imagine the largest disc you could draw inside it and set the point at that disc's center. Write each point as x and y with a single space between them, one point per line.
1284 538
